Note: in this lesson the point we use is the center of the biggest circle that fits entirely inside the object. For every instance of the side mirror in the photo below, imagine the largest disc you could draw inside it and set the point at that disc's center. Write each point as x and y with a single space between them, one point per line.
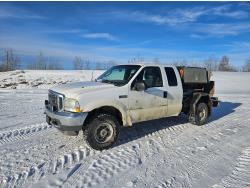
140 86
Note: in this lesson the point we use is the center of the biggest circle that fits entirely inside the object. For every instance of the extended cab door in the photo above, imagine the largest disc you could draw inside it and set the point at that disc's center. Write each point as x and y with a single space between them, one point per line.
174 90
151 103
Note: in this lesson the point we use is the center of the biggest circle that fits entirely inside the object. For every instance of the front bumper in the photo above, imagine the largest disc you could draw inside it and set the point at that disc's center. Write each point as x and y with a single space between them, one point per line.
65 121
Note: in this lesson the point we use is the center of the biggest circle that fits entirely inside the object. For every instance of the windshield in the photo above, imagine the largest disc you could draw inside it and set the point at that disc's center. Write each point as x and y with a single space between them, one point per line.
119 75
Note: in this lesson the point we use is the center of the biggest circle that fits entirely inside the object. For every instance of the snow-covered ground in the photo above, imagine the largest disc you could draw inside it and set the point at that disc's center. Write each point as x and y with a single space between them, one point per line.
163 153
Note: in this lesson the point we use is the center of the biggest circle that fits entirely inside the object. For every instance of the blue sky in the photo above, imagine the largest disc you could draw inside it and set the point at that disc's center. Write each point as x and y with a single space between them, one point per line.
119 31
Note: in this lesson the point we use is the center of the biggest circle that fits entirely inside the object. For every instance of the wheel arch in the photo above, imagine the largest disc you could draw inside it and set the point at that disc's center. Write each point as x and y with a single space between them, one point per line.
198 98
107 109
206 99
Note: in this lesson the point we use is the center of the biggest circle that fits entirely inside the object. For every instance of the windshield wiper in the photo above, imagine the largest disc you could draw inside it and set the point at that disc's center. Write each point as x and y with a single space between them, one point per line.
115 83
107 81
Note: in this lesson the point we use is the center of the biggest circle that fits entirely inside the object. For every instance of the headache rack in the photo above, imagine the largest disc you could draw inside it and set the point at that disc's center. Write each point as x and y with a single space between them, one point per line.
195 79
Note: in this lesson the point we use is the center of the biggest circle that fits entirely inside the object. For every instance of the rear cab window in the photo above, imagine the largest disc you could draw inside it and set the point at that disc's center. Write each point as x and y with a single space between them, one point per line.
171 76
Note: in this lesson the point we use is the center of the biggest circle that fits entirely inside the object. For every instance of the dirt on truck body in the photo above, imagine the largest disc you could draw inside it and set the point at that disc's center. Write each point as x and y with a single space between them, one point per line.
127 94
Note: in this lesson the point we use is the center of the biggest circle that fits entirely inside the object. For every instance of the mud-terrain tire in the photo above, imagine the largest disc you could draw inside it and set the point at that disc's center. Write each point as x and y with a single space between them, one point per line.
201 114
102 131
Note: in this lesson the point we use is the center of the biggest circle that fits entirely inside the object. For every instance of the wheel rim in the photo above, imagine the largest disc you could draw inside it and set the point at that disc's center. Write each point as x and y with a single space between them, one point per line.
202 114
104 132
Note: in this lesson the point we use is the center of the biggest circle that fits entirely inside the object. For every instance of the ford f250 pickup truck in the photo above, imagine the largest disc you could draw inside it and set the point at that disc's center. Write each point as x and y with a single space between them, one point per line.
127 94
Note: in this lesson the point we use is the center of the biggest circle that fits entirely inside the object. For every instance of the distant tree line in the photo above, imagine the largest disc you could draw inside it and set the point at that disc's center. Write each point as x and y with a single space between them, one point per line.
44 63
214 64
80 63
223 64
246 67
9 60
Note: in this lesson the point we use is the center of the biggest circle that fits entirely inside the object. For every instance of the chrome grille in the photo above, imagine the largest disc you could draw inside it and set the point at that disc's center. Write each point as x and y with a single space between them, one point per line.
55 101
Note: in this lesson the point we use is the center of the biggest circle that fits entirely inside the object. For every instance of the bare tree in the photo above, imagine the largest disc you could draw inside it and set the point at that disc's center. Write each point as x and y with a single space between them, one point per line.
10 61
224 65
135 60
180 63
41 62
78 64
109 64
211 64
86 64
246 66
98 66
54 64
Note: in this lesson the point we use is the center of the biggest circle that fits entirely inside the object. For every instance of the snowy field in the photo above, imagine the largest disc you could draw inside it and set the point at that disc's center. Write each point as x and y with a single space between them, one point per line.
163 153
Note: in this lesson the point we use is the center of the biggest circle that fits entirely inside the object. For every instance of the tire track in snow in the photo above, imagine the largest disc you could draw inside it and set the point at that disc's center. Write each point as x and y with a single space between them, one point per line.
35 173
106 165
19 134
167 183
213 128
240 176
112 156
201 149
203 146
42 165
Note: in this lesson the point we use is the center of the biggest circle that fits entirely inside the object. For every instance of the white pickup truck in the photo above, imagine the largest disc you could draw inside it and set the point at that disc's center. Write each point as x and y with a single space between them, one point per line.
127 94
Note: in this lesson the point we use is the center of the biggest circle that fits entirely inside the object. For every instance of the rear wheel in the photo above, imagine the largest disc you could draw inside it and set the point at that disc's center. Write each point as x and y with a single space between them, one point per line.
102 131
201 114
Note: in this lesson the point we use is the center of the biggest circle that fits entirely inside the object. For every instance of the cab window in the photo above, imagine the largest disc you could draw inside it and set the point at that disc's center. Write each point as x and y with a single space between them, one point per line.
151 76
172 80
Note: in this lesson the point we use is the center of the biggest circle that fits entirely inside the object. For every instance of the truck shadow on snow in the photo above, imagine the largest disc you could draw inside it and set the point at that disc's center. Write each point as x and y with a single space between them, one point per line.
139 130
142 129
224 109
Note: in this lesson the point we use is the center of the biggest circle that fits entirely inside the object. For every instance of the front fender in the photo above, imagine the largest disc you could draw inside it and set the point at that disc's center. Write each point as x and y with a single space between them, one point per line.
126 120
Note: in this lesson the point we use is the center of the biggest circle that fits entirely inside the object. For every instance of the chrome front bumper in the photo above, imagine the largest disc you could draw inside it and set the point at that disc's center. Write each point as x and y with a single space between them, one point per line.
65 121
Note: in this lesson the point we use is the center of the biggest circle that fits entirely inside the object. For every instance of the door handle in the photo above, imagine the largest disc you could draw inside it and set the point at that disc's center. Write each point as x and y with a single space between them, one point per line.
165 94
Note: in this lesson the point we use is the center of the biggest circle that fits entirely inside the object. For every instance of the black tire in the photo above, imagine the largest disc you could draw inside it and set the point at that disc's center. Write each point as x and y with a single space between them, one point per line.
201 114
102 131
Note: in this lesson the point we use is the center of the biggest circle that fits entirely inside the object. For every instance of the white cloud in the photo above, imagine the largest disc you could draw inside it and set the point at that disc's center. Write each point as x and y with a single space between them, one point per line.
220 30
174 19
227 11
106 36
197 36
190 15
51 31
186 15
17 13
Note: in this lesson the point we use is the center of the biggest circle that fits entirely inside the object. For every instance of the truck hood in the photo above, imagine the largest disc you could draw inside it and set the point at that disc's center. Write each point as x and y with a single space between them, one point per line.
73 90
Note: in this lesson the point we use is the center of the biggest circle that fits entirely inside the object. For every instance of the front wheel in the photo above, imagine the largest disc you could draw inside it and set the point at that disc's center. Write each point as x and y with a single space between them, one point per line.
102 132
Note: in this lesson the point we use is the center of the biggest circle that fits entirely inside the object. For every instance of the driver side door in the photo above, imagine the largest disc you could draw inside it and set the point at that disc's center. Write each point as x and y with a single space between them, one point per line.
151 103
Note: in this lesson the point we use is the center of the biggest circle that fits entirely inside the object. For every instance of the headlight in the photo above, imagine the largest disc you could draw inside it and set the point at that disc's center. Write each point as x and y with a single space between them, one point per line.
71 105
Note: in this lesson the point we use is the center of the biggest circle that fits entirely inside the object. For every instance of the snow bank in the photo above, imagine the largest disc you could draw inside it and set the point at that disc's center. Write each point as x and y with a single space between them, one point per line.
44 79
231 82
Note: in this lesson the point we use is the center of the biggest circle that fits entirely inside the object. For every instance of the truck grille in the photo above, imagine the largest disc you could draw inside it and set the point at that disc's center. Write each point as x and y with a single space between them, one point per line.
55 101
